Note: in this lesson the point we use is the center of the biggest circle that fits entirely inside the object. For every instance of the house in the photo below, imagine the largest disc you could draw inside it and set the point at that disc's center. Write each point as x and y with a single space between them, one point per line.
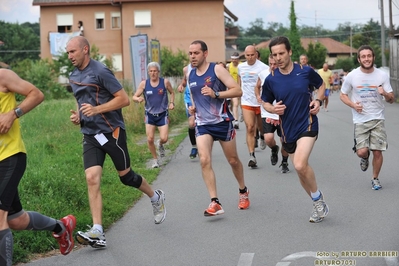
335 49
110 23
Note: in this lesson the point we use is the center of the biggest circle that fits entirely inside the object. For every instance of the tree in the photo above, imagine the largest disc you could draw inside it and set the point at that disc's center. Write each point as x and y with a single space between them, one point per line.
294 37
316 54
264 55
20 42
346 64
256 28
172 63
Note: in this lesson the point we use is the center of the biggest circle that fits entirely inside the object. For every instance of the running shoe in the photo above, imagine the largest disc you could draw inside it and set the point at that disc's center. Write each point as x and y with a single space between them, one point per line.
252 162
262 144
274 155
364 163
320 210
243 202
284 168
155 163
375 184
213 209
158 207
194 153
92 237
161 149
65 240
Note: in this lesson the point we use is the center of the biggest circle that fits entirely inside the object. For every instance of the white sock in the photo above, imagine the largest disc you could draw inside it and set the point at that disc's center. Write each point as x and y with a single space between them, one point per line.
315 195
99 227
155 198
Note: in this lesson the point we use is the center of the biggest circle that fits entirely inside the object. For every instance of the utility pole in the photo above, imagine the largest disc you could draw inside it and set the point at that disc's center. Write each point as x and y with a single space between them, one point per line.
383 62
390 18
351 39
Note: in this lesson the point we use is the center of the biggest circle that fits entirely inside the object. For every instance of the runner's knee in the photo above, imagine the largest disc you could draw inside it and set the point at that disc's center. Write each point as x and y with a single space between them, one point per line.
131 179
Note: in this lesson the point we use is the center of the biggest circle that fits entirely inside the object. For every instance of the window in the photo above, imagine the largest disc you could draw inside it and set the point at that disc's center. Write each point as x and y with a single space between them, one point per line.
115 20
117 62
100 18
64 23
142 18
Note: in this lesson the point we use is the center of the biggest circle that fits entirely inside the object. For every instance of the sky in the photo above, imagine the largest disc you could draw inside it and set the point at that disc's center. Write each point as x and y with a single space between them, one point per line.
328 13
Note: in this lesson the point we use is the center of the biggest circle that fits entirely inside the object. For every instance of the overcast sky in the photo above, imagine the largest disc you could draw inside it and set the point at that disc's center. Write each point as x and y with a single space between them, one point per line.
328 13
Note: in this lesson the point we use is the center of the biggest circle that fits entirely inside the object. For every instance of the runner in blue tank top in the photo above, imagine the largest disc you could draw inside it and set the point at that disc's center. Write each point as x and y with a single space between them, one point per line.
154 91
289 86
208 84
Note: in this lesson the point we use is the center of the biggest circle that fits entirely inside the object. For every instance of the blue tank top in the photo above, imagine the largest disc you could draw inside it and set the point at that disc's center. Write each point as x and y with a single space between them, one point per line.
208 110
156 98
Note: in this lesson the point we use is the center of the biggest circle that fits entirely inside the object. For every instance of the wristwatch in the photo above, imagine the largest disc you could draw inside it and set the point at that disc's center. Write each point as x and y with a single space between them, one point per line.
320 102
217 94
18 112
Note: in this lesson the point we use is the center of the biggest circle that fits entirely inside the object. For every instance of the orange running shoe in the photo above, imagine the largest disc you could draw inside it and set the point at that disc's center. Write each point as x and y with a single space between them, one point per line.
65 240
243 202
214 208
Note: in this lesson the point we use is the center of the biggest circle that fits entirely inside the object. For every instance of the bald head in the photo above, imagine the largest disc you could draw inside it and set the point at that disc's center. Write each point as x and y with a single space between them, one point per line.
250 54
80 42
78 50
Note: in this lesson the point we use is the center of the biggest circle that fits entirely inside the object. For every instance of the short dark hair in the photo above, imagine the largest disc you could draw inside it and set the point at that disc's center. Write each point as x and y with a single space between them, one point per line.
280 40
204 47
364 47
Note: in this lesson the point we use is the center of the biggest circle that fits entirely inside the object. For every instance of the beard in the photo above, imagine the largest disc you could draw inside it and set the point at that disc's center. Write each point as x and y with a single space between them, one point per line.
367 67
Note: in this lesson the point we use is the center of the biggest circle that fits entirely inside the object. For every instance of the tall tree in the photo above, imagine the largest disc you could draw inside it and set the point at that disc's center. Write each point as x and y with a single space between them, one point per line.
294 37
20 42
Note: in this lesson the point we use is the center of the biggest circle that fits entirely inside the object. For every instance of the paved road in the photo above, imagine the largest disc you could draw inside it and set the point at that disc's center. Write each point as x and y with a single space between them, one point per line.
275 230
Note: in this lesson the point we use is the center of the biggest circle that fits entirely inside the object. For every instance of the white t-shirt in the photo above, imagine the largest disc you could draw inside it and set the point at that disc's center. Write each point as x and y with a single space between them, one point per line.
363 88
265 114
249 77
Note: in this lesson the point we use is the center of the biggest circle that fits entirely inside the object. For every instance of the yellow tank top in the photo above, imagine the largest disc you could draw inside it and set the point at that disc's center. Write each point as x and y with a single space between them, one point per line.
233 71
10 143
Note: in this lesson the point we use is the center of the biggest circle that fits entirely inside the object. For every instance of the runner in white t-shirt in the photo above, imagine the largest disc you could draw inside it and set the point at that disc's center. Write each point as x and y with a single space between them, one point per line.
247 78
368 87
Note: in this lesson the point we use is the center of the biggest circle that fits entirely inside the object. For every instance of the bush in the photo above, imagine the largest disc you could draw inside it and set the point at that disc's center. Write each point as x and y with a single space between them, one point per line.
40 74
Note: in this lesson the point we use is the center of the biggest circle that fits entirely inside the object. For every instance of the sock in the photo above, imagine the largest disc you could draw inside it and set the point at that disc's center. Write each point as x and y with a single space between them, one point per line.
315 195
252 154
262 137
216 200
285 159
6 247
243 190
99 227
274 149
155 198
40 222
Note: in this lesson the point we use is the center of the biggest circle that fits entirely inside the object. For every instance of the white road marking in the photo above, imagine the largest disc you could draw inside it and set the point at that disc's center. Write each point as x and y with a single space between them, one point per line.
246 259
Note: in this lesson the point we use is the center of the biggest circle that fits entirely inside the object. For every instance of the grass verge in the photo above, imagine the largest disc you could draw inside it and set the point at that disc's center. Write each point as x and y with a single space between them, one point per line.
54 183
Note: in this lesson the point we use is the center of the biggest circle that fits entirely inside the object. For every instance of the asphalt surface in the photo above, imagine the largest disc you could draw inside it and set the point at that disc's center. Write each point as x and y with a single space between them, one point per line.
361 225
